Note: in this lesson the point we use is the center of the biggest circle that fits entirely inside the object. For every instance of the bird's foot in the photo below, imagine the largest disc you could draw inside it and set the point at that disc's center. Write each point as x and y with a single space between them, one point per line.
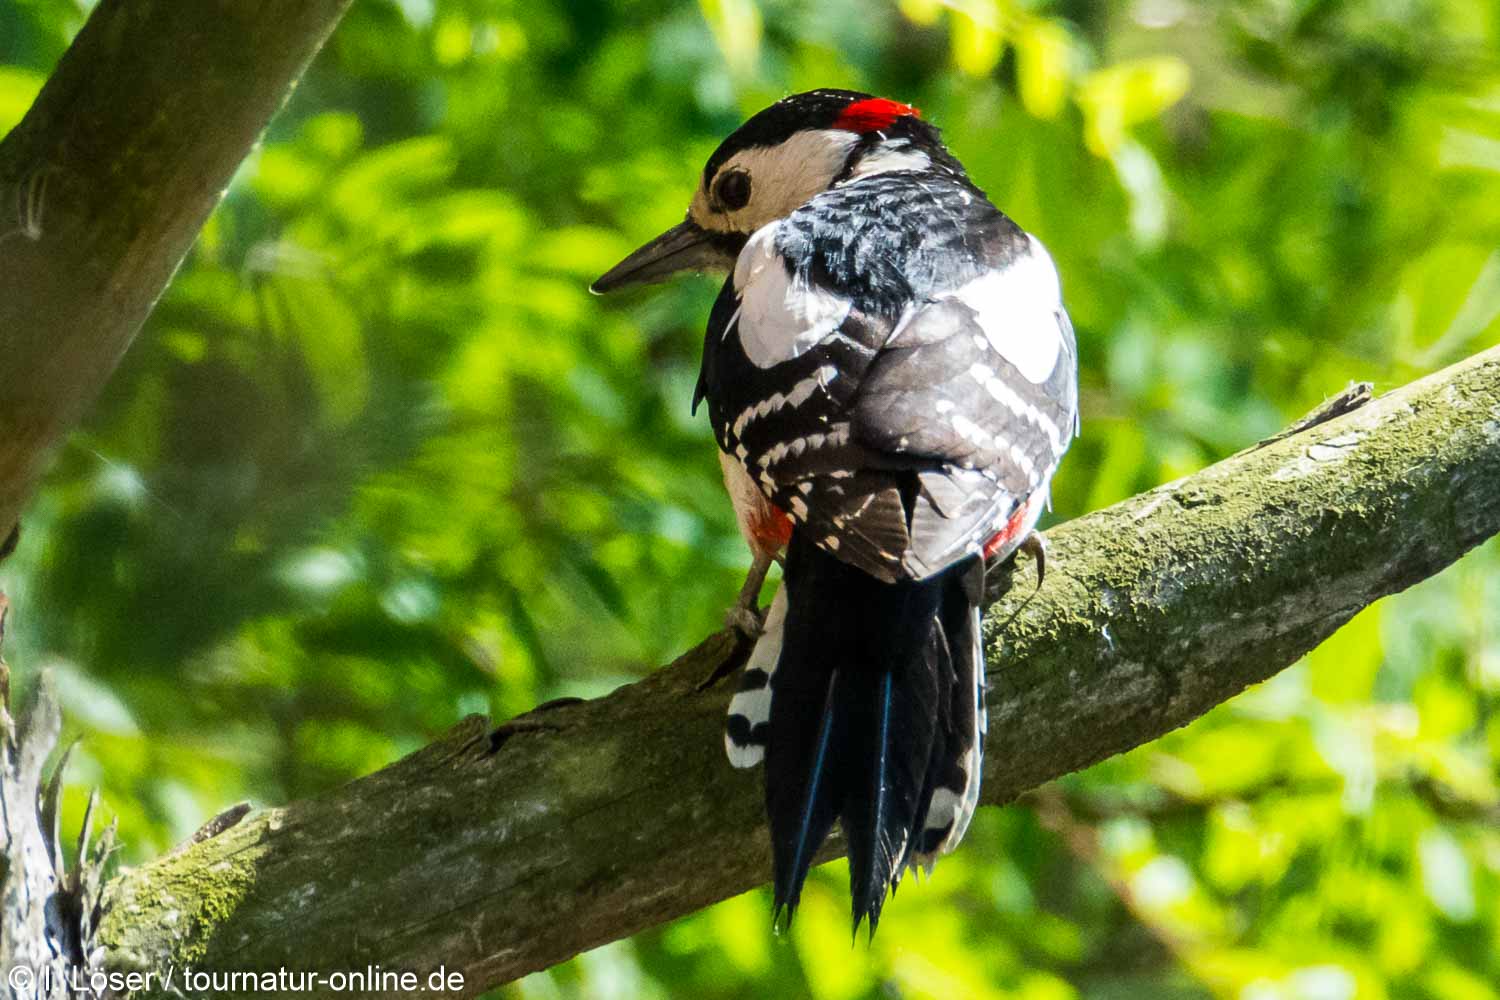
746 620
744 615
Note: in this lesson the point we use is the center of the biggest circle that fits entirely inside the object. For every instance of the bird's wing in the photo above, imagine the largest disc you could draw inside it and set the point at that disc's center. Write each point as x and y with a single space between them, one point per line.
900 432
982 382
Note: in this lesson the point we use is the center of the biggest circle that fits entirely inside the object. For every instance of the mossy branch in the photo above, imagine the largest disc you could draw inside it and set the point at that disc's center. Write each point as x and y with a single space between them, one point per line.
498 852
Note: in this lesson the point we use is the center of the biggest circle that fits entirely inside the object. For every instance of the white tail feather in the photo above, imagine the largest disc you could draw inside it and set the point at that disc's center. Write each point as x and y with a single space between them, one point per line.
750 708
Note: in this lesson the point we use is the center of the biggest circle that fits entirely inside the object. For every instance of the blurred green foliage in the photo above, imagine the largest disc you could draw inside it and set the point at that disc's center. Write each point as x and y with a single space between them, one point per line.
379 459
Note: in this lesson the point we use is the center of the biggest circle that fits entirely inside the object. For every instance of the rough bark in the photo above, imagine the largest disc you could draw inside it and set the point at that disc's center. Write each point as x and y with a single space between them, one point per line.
105 184
495 853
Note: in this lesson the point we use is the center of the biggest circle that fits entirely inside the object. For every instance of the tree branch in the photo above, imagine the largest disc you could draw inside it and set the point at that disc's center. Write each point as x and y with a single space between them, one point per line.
498 853
105 184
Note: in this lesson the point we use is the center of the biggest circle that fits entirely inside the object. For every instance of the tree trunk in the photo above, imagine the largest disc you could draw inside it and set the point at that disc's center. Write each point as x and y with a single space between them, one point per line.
103 188
105 184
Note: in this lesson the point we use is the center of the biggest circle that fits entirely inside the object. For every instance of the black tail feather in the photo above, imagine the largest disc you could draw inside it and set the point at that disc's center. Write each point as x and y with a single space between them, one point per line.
938 654
804 806
894 714
859 720
955 648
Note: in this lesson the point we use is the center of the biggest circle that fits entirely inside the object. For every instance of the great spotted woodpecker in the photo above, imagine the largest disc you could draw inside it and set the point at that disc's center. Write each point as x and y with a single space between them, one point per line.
892 381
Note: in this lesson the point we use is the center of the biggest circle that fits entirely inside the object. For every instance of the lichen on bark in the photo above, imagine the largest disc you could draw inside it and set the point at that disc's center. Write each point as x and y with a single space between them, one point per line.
498 854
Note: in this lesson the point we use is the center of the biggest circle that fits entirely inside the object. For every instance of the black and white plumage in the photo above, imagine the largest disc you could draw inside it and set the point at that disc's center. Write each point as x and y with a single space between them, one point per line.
889 368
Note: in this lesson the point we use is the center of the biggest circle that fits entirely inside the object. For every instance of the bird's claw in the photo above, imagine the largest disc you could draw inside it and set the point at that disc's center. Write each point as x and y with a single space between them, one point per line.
745 620
1035 546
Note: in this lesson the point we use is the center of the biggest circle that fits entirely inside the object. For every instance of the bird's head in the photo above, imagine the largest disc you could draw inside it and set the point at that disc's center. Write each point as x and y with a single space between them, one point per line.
797 148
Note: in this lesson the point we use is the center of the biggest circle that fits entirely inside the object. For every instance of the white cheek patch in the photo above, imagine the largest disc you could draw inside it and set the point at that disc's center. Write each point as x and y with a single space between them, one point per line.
782 179
780 318
1017 309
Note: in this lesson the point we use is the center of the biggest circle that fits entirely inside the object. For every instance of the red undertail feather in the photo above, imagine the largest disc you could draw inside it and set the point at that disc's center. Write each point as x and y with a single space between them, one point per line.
1008 537
771 528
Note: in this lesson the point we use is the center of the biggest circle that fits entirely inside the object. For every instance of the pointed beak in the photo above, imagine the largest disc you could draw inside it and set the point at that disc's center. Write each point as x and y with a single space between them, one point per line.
684 247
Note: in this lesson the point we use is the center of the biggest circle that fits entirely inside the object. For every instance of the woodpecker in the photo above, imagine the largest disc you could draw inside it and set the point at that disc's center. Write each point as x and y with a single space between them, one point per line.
892 381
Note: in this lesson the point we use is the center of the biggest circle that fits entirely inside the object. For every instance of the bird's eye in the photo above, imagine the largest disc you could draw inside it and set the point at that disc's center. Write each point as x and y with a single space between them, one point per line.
734 189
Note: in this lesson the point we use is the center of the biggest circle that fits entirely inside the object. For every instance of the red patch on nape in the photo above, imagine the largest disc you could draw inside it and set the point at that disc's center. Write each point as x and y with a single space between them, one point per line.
872 115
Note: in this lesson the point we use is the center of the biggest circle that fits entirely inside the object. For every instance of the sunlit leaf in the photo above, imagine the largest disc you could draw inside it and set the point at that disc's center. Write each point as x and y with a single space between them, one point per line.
736 27
1044 54
922 12
18 88
1118 97
978 40
1343 668
331 340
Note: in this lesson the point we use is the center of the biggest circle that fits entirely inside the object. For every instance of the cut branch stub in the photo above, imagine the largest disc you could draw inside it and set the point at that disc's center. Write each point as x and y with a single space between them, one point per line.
48 915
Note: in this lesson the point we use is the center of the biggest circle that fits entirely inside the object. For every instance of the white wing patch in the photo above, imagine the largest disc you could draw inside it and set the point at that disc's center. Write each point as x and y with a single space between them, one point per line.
779 317
1017 309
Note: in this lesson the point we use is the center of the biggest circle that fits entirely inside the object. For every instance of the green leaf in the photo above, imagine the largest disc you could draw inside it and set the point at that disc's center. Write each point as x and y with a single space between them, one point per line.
978 39
18 88
330 339
736 27
1118 97
1044 55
